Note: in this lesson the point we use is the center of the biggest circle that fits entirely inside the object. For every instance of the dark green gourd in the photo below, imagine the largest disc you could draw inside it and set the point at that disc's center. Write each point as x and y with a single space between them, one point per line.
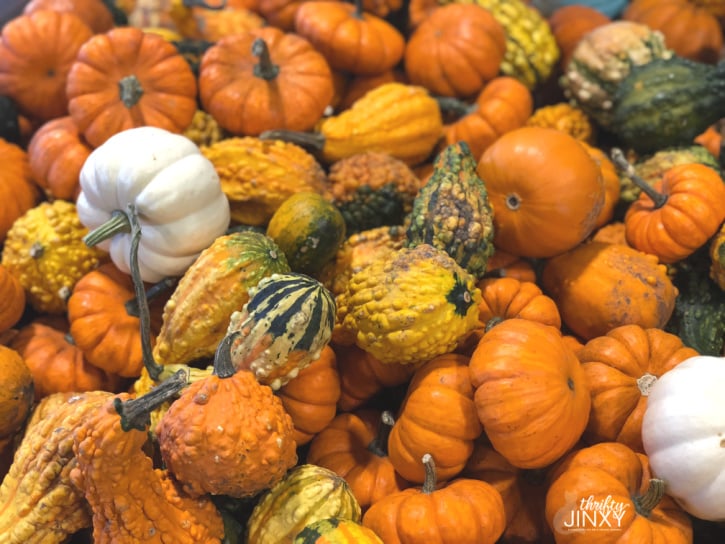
452 211
668 102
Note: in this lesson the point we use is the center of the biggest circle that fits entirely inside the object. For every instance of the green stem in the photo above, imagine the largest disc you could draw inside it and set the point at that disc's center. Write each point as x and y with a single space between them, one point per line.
628 170
491 323
153 368
309 140
118 223
379 444
456 106
644 504
155 290
431 480
223 364
204 5
265 68
135 412
359 12
130 90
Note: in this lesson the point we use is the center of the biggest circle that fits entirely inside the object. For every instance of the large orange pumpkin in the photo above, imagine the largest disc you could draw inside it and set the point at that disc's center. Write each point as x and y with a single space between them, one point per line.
545 190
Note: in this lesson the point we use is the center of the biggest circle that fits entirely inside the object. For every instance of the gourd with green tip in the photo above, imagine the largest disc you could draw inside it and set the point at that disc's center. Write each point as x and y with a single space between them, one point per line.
452 211
409 306
282 328
309 229
336 531
667 102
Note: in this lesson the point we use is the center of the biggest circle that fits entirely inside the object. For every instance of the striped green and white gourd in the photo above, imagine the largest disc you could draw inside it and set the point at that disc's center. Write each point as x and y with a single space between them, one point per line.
283 327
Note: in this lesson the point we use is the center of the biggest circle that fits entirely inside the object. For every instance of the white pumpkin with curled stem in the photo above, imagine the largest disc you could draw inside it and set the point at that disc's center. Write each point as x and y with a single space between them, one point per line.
174 189
683 432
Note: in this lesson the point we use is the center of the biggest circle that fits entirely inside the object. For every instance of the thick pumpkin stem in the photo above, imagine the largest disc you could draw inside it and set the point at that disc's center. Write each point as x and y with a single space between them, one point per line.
455 106
265 68
130 90
308 140
644 504
155 290
621 162
223 364
118 223
135 413
359 11
379 444
431 478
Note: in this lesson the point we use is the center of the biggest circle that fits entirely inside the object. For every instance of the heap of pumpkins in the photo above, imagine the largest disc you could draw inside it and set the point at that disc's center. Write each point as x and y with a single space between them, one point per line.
387 271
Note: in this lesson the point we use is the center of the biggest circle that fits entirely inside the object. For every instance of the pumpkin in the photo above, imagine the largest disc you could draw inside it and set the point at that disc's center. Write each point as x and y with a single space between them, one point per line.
474 512
16 398
174 190
308 229
282 328
285 82
569 23
609 486
531 395
352 87
564 117
503 105
531 171
311 397
47 509
599 286
307 493
102 326
18 191
336 531
349 38
214 24
396 118
280 13
94 13
201 447
37 51
680 432
437 414
621 369
717 258
456 50
410 306
12 295
355 447
44 250
362 376
611 181
197 314
56 153
110 463
129 78
690 30
57 365
678 214
517 268
257 175
507 298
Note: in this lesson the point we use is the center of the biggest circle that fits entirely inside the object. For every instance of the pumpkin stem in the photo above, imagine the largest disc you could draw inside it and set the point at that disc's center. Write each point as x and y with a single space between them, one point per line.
455 106
153 368
431 479
135 412
223 365
116 224
379 444
155 290
491 323
644 504
621 162
130 90
308 140
359 12
202 4
265 68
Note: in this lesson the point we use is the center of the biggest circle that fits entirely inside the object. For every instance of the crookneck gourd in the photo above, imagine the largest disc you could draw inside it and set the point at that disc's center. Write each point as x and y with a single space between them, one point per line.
38 502
409 306
452 211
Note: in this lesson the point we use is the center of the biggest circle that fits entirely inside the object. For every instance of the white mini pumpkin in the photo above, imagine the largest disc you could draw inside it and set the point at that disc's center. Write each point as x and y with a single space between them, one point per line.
683 431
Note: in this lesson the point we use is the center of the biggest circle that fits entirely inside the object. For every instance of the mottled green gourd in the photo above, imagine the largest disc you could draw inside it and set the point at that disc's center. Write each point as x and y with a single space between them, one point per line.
452 211
667 102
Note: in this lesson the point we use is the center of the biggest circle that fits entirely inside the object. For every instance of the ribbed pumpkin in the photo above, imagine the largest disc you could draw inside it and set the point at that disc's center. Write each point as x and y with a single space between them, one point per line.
307 493
610 181
18 190
282 328
452 211
507 298
216 285
12 296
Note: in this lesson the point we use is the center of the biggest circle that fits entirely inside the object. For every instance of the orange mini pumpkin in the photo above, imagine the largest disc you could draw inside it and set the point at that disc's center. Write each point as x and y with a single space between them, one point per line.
456 50
12 299
94 13
569 23
264 79
18 191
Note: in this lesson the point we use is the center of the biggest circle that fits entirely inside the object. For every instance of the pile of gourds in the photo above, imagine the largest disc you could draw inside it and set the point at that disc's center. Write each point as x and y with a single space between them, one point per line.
322 272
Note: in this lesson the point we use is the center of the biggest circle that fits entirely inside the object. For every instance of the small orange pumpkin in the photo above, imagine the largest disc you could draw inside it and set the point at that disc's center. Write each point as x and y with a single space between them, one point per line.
506 298
610 179
18 191
94 13
12 299
569 23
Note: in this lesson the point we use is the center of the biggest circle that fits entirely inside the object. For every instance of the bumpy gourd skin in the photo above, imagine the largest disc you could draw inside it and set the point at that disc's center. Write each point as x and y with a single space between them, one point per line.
410 306
44 249
132 502
38 502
